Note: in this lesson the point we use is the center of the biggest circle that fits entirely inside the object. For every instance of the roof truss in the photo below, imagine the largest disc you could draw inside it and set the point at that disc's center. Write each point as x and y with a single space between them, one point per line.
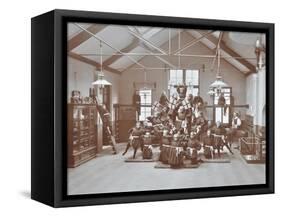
232 53
92 30
83 36
93 63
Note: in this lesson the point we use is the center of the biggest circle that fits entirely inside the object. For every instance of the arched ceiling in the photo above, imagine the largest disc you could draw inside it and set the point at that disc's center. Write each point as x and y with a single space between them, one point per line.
124 46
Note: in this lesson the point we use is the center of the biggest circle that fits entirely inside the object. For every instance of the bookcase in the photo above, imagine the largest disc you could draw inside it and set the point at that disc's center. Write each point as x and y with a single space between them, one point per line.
82 133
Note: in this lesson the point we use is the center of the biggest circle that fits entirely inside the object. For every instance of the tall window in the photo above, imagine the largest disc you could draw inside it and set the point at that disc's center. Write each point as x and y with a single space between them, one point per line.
176 77
222 113
188 77
145 104
192 81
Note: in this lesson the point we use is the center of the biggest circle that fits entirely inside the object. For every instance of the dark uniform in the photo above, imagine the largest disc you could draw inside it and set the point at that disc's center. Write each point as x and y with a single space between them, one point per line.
147 146
105 115
201 123
193 146
136 141
198 99
219 132
166 140
222 103
189 119
137 101
208 144
235 126
182 91
225 143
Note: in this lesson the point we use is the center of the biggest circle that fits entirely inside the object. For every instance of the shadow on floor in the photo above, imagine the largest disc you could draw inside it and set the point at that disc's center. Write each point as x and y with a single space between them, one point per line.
25 194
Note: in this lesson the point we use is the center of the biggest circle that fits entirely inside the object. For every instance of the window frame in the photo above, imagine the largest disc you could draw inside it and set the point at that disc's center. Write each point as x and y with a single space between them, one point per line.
184 76
194 86
216 106
145 105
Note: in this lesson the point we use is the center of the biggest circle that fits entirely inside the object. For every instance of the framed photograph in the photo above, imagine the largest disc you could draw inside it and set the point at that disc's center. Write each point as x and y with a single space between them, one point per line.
133 108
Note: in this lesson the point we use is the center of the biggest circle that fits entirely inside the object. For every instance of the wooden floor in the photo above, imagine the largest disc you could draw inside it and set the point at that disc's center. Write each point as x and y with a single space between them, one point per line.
109 173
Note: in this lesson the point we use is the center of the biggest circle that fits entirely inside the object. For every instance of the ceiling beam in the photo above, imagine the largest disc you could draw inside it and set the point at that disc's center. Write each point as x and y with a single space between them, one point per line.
130 66
192 42
232 53
83 36
158 57
93 63
149 43
127 49
108 44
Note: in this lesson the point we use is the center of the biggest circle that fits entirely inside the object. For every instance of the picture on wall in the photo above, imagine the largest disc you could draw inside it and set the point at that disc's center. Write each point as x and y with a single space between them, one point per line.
161 108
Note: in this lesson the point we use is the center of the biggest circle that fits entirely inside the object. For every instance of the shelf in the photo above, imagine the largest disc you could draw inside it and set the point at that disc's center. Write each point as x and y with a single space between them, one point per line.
83 151
81 105
77 129
79 162
81 133
86 118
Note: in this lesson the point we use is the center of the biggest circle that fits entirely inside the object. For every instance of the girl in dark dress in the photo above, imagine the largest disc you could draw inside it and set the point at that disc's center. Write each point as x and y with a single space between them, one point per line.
135 139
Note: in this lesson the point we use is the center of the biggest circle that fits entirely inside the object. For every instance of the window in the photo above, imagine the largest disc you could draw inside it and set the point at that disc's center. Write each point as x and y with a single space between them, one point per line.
188 77
222 113
192 81
145 104
176 78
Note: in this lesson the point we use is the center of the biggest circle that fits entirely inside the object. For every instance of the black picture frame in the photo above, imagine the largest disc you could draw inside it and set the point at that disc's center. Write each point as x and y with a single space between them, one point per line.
49 83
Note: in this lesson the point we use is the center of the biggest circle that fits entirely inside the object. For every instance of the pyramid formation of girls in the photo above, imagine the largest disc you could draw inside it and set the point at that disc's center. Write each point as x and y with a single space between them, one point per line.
180 128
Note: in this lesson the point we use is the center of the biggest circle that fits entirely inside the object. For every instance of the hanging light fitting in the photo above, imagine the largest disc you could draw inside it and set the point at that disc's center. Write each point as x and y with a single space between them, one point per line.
101 80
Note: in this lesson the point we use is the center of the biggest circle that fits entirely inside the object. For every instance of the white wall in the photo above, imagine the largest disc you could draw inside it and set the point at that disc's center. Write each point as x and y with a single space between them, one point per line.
261 98
85 74
84 77
255 85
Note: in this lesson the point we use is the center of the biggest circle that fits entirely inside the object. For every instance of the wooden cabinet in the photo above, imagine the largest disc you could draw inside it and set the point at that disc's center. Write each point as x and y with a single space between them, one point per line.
82 133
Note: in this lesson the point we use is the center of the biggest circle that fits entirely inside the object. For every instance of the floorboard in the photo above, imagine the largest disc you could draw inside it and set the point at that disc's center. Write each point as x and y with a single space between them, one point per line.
109 173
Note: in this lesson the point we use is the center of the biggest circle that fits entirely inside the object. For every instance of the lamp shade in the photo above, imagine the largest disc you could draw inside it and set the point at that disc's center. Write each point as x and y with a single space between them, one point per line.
219 83
101 81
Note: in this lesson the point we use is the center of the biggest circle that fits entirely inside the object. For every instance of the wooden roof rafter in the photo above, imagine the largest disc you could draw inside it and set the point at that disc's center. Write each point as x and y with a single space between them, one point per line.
93 63
134 44
83 36
231 52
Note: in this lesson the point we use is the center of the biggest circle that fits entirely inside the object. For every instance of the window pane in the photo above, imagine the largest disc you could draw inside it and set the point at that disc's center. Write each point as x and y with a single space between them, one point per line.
146 99
218 114
222 115
226 90
226 94
227 100
226 116
176 77
145 112
195 91
192 77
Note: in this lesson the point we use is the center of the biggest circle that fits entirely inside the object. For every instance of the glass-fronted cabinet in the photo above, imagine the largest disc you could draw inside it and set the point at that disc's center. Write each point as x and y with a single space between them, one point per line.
82 133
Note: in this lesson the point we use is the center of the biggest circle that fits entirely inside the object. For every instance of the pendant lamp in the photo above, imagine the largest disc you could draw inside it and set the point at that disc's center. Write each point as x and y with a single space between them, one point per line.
101 80
218 84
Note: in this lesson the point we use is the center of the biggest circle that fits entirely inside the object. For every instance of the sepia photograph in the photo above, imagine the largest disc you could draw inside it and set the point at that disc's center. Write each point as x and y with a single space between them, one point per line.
158 108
